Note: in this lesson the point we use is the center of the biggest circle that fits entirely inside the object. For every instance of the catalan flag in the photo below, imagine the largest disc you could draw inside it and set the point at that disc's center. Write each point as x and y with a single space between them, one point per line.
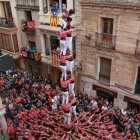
53 19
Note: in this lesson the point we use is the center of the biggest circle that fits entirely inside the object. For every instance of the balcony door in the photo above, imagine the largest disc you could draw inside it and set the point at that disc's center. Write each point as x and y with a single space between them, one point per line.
7 9
107 29
105 70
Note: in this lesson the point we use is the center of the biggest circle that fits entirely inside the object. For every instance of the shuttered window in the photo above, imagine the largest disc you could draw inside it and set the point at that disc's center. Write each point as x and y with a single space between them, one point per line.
105 69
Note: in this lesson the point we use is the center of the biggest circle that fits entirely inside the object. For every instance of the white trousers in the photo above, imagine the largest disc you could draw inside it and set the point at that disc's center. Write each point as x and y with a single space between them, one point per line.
73 110
63 47
67 118
64 72
65 97
63 23
69 43
54 106
69 65
71 89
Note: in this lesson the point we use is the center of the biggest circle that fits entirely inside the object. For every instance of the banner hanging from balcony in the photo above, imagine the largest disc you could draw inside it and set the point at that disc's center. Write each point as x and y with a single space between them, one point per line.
54 14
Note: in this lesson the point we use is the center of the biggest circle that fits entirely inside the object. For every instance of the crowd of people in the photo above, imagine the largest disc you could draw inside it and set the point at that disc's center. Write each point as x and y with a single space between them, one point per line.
34 110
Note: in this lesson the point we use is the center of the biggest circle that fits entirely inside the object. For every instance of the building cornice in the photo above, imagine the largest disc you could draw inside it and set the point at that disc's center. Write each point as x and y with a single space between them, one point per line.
25 7
120 5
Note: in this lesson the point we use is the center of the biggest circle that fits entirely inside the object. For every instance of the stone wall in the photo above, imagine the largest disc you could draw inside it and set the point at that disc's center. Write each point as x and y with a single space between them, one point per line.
126 29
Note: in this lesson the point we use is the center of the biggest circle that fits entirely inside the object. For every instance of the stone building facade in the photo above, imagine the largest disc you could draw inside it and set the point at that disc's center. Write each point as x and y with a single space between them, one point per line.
28 13
110 50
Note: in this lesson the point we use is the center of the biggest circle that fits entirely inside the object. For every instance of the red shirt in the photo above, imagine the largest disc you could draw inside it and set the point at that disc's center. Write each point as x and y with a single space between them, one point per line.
69 33
63 59
66 14
67 126
63 35
64 84
10 129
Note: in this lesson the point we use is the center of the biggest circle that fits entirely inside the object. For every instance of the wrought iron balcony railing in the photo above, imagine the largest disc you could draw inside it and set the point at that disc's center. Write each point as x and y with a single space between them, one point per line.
105 40
31 3
7 22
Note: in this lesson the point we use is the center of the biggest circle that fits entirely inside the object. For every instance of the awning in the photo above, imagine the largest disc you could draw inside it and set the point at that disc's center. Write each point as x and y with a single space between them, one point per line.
6 62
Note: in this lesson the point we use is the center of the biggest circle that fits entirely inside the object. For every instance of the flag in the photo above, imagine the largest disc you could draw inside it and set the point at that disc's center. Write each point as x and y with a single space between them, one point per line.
53 19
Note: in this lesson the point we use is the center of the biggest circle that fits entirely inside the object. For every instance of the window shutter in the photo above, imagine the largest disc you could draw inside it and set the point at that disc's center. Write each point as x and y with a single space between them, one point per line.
105 68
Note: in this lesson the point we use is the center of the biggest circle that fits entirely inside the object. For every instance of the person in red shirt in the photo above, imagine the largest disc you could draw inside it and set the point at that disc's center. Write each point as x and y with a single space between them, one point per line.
70 61
63 43
69 39
63 66
67 115
64 18
64 89
71 84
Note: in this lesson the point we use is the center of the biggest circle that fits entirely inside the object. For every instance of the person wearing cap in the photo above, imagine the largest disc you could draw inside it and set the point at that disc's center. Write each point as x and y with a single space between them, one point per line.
63 43
67 115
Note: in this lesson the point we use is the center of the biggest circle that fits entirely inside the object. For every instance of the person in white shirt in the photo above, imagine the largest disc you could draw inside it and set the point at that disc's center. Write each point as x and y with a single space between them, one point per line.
94 103
123 111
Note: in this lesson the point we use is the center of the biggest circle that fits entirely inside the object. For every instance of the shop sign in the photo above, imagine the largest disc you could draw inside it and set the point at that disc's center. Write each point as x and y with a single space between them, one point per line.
112 93
130 100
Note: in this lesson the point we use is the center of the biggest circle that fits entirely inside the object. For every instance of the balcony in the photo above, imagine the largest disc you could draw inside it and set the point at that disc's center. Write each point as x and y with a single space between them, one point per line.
51 59
28 26
27 4
8 37
7 22
104 40
30 54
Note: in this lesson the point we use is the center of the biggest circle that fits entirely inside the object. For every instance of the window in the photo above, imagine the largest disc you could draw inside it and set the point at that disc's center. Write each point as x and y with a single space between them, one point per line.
47 51
7 9
105 70
107 31
137 86
107 26
54 43
28 15
45 4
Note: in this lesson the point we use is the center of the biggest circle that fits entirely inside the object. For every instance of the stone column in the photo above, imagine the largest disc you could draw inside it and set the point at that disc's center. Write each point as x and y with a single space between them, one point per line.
49 42
48 3
69 4
43 45
41 6
60 7
13 44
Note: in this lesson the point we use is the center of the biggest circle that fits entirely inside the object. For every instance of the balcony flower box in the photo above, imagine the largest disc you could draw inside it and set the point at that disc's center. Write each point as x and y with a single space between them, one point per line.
27 26
30 54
